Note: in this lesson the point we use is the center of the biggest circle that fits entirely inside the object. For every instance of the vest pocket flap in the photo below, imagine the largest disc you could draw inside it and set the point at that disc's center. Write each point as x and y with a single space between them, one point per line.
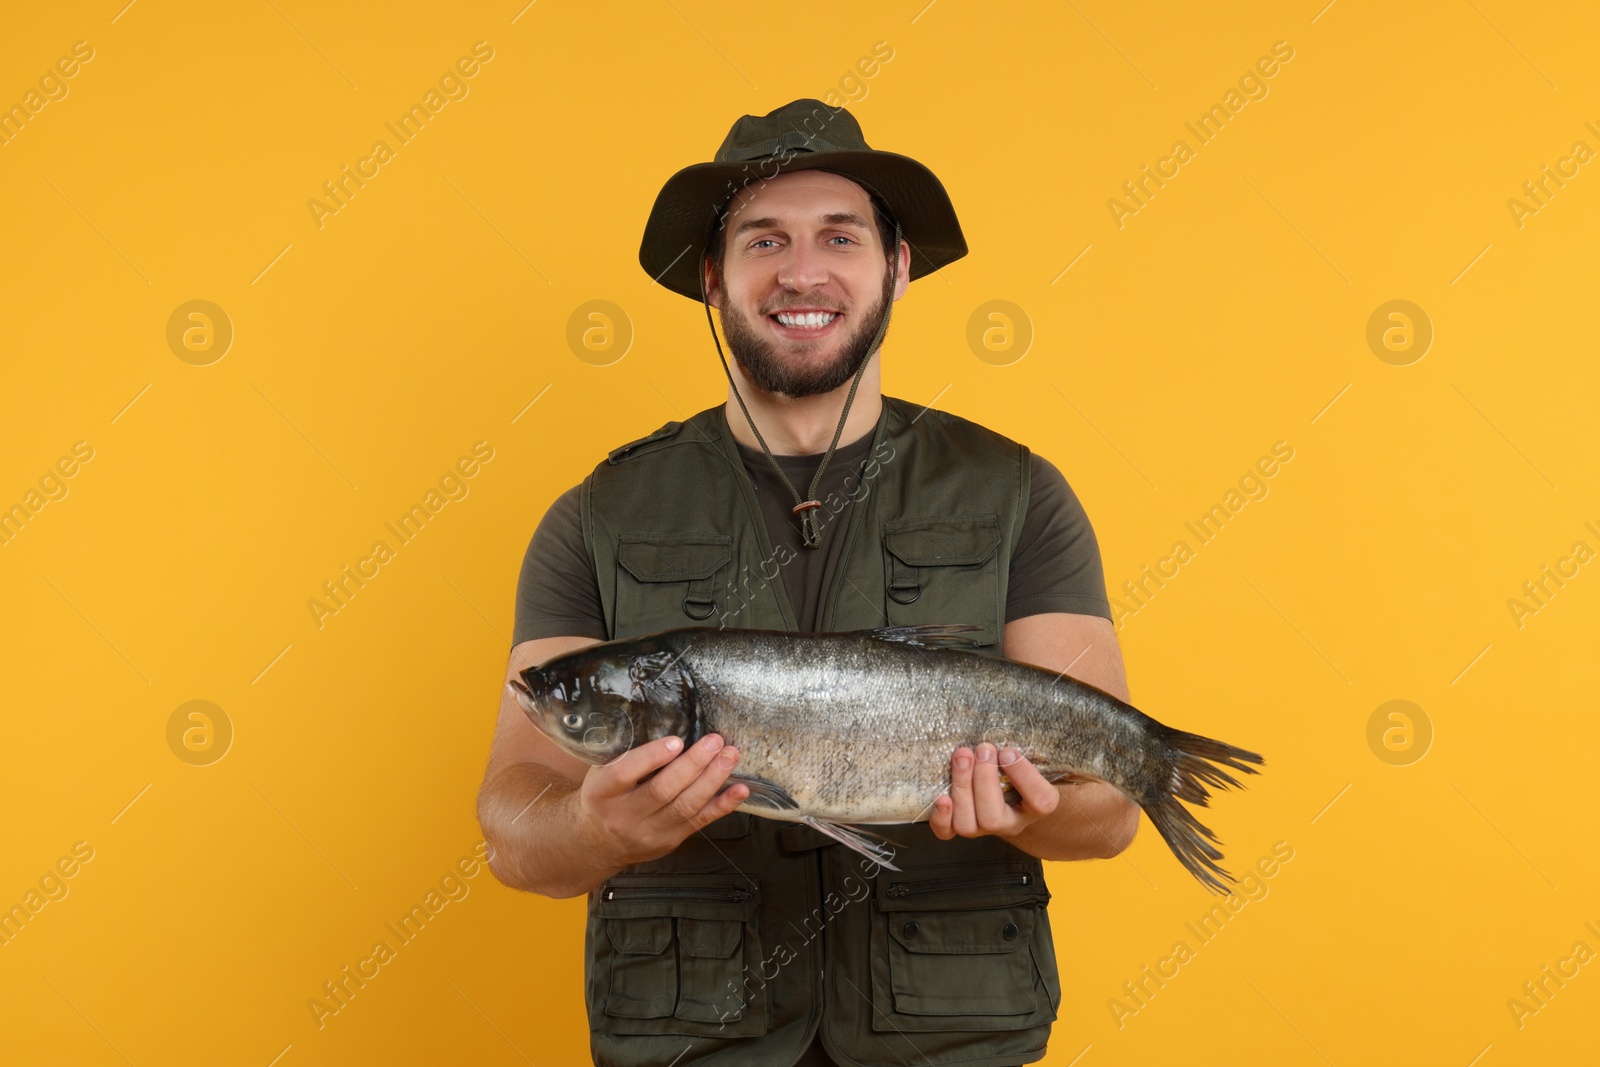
683 559
709 938
965 933
959 540
640 937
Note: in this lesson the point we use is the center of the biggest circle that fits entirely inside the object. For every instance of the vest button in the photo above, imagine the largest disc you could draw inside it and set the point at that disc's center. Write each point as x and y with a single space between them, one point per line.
910 929
1009 931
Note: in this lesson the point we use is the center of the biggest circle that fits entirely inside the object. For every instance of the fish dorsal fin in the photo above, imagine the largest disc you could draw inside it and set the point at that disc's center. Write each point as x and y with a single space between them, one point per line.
933 635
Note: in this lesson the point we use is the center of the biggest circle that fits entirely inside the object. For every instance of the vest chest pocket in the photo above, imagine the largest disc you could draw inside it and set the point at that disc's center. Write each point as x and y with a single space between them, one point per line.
944 570
671 955
666 582
960 949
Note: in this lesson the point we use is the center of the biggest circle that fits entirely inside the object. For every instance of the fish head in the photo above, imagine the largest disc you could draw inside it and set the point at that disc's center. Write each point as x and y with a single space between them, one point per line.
598 704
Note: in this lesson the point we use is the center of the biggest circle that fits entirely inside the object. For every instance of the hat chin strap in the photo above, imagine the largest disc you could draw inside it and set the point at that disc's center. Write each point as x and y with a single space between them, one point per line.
810 531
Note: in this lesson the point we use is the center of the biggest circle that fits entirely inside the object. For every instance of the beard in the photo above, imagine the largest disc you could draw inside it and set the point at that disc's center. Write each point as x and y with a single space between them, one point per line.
757 351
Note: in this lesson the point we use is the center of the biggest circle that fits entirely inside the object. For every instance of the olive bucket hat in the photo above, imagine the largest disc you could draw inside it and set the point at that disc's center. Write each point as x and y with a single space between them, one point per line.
804 134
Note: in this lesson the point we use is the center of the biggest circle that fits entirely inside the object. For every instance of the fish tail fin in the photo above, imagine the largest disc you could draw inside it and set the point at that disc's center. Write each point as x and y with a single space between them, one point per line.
1197 761
1191 841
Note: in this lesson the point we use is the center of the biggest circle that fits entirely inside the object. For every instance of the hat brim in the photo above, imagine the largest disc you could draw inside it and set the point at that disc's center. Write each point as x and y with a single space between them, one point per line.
691 201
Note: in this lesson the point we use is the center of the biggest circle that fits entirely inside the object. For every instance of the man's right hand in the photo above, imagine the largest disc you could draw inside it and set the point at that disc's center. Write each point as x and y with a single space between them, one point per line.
647 801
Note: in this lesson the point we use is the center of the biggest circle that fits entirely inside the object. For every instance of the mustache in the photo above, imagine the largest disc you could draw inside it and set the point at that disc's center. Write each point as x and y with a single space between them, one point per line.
809 307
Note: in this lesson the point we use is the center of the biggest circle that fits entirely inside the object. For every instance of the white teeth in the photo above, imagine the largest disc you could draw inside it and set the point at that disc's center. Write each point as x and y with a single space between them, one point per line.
810 318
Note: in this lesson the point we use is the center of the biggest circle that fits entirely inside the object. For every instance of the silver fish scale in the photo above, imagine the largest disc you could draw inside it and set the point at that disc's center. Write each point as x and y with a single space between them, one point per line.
863 731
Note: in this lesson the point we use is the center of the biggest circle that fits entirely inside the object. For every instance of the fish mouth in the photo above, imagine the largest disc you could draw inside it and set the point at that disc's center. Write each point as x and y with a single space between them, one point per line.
541 713
526 700
522 694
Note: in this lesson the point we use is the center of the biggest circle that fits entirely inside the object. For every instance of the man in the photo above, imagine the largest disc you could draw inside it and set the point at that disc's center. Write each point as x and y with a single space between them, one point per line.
718 938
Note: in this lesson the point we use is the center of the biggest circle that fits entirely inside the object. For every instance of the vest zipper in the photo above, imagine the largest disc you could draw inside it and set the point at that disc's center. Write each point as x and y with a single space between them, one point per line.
730 894
822 938
905 889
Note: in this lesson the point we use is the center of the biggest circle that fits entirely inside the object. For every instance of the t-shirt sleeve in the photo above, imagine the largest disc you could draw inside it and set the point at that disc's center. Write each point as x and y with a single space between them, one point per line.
557 595
1056 566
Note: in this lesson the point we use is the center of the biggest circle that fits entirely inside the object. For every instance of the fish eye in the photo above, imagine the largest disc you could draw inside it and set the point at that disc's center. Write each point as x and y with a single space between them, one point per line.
572 720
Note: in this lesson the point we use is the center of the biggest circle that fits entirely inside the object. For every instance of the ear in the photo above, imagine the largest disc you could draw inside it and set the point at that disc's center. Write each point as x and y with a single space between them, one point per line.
713 286
904 278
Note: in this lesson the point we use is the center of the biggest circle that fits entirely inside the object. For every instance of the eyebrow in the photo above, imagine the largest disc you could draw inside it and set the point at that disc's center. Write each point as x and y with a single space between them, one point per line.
835 218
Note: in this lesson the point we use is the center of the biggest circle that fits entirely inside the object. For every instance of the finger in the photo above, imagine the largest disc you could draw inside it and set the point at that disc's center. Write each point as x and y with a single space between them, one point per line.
994 815
939 821
698 793
725 802
661 792
1039 795
623 773
962 817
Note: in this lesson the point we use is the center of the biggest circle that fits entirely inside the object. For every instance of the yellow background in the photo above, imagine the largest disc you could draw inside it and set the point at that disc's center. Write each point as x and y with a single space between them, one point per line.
371 352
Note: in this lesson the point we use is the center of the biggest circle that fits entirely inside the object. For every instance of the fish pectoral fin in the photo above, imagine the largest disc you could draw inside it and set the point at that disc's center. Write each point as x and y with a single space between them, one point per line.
765 794
854 837
933 635
1067 776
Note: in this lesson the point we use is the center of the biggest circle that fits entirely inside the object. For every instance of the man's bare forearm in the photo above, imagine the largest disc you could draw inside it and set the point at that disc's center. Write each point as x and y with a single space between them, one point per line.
1092 821
529 817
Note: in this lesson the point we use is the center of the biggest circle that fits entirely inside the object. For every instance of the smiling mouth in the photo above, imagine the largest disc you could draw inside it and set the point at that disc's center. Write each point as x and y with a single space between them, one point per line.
804 325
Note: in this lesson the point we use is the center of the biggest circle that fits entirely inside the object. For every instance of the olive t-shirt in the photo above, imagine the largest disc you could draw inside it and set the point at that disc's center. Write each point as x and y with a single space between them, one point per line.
1056 566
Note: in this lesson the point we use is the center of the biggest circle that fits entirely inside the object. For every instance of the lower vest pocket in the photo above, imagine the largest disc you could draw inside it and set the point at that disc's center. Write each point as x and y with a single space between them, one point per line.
709 991
674 952
964 963
963 947
644 975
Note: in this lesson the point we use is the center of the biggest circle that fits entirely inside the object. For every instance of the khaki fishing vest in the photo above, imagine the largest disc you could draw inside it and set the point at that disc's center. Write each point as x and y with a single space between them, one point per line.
734 948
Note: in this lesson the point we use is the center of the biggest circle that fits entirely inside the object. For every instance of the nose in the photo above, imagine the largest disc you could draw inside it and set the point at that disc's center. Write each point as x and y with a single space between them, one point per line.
803 267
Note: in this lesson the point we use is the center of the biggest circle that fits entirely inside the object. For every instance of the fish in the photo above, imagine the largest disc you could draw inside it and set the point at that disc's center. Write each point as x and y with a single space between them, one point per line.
841 731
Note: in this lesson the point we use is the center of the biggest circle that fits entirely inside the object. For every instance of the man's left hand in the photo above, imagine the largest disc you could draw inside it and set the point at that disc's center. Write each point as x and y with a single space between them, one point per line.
976 805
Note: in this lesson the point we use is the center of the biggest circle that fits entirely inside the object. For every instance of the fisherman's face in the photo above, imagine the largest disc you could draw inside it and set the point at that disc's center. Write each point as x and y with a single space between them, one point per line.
805 242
